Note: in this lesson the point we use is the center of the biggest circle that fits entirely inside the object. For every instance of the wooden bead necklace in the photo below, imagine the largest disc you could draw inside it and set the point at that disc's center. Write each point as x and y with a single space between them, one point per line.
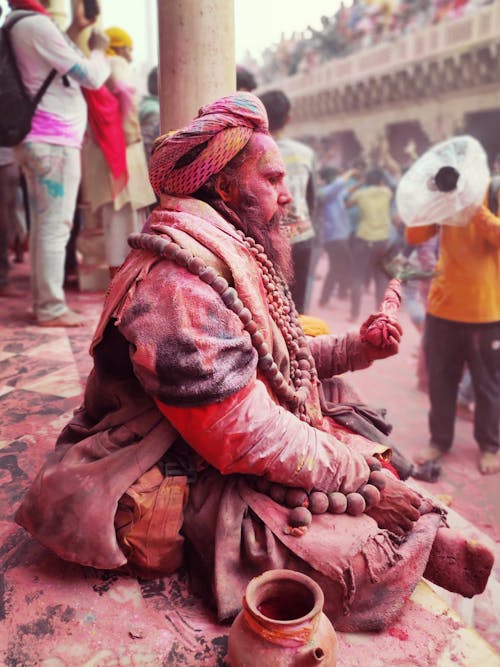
294 392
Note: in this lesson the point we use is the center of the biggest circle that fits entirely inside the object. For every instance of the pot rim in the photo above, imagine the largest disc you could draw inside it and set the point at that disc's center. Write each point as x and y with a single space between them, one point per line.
284 575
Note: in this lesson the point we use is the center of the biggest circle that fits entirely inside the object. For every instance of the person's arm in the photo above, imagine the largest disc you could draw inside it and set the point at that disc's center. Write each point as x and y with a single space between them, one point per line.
416 235
79 22
352 194
334 355
331 190
150 129
311 194
59 54
392 168
248 433
192 355
488 226
92 72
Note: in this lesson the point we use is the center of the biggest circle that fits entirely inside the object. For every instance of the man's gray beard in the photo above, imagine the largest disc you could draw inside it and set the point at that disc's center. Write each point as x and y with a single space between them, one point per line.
271 235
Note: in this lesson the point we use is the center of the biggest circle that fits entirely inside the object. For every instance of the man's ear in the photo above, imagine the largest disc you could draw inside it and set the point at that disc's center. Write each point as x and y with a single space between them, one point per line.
226 188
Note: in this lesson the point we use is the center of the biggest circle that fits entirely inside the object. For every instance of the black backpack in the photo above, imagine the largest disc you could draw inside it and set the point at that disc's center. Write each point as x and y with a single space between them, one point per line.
16 105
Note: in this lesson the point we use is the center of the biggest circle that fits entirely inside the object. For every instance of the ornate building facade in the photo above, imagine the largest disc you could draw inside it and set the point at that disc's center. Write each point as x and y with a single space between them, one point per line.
425 86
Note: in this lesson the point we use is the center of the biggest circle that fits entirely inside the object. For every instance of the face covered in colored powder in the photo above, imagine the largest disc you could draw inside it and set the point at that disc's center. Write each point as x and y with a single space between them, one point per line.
259 196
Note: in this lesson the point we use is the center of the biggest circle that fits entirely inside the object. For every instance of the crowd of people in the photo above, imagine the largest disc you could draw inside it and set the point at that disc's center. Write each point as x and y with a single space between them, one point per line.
50 154
450 281
355 26
85 148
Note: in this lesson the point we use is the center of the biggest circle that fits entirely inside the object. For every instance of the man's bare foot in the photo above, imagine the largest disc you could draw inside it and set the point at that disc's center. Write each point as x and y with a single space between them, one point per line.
428 454
489 463
68 319
459 564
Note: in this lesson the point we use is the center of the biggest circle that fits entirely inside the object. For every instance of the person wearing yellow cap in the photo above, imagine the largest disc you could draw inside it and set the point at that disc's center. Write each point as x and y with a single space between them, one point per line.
120 43
119 197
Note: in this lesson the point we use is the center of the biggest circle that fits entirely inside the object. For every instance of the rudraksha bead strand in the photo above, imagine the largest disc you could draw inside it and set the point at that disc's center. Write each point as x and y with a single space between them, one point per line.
294 392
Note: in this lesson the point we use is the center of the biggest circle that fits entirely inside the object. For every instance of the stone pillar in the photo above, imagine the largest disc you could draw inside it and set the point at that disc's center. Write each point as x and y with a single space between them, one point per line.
196 57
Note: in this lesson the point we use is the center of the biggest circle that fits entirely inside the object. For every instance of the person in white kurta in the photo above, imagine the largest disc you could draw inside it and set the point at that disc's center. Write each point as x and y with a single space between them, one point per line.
123 213
50 153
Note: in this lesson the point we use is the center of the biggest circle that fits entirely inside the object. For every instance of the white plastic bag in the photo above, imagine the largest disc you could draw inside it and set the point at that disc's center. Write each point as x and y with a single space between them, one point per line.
459 166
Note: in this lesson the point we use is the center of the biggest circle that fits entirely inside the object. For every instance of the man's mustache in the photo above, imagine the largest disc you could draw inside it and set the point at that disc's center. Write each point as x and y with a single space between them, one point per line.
278 218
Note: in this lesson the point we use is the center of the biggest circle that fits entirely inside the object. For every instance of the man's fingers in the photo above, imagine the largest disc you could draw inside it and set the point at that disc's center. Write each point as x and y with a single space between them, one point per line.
413 513
397 530
415 500
407 526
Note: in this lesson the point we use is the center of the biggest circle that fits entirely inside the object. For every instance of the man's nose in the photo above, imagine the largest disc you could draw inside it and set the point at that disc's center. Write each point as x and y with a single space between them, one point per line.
284 196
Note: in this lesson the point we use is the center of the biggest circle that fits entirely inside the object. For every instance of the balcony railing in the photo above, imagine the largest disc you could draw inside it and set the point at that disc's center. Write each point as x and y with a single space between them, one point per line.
453 36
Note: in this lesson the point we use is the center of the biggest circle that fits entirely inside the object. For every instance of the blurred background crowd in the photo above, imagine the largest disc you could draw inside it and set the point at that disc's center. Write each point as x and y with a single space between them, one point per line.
357 26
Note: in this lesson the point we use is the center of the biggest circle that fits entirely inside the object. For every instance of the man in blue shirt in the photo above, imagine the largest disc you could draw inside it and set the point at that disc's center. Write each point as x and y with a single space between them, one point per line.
335 231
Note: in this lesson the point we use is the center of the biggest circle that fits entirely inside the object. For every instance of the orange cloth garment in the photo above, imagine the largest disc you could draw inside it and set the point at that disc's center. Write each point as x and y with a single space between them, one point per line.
467 285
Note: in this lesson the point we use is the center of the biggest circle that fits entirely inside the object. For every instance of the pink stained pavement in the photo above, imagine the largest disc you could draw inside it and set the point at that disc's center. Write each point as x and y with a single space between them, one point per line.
63 614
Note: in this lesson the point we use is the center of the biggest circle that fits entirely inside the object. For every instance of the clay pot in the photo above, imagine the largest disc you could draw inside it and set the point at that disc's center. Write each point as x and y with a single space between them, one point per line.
282 624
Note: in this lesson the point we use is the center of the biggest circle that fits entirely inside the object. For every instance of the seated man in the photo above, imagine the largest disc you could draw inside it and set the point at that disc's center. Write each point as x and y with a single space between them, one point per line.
201 366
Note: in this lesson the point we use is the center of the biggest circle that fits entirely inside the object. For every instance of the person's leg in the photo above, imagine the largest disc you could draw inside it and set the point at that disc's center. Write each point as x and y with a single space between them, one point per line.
360 259
117 227
71 261
444 356
380 252
458 564
19 236
53 177
345 267
442 555
483 359
329 282
422 382
301 257
9 179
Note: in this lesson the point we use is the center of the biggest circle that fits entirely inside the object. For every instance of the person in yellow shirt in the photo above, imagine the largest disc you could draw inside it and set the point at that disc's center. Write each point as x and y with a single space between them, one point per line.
371 241
462 327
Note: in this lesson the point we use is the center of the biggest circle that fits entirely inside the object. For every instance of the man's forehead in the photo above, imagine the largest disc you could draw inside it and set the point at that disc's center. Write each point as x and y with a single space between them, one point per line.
267 153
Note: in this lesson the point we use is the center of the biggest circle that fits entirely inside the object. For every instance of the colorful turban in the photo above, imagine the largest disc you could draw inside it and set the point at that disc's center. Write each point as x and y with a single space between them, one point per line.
118 39
220 130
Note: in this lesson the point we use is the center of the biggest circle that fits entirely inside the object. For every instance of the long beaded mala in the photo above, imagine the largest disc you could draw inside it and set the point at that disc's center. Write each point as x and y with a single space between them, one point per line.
293 392
303 374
